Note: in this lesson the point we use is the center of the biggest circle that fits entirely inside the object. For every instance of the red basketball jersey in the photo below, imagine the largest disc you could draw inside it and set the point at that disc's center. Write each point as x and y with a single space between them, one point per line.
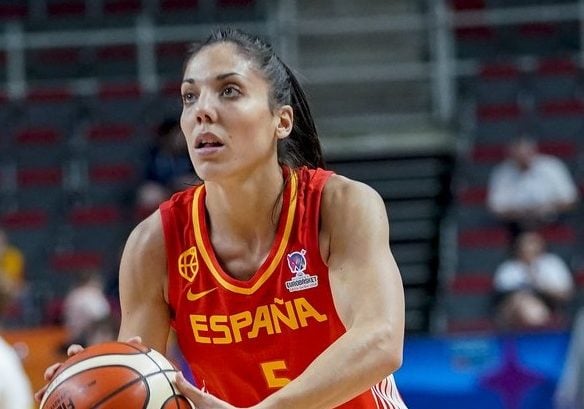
246 339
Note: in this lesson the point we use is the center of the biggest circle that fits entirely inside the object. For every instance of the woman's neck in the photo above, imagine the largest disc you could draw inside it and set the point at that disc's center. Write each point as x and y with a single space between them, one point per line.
247 209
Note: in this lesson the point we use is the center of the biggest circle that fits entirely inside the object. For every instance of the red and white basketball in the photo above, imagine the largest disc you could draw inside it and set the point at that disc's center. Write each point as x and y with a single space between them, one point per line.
115 375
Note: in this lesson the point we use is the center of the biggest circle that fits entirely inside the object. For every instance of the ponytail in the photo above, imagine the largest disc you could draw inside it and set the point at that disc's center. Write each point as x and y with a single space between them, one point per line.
302 147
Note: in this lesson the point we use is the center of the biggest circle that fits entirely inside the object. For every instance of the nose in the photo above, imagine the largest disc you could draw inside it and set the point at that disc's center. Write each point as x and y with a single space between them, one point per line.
205 109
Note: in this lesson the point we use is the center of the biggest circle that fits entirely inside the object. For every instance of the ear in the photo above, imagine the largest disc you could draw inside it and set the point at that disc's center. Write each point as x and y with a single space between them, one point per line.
285 122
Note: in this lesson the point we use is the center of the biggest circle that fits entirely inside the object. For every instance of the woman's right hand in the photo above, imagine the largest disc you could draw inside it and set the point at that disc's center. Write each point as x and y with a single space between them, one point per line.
51 370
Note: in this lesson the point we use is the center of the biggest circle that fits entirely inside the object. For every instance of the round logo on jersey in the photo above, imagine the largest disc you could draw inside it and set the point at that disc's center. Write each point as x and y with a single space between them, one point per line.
297 265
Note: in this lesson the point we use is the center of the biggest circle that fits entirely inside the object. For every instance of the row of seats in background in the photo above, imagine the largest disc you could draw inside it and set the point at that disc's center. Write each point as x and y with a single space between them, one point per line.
51 64
527 84
489 41
507 100
114 61
79 13
69 169
72 157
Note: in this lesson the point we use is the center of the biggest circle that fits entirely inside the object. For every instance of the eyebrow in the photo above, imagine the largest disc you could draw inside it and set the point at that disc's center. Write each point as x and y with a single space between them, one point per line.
219 77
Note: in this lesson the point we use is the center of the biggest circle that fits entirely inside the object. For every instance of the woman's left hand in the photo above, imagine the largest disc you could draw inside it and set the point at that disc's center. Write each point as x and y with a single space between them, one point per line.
201 399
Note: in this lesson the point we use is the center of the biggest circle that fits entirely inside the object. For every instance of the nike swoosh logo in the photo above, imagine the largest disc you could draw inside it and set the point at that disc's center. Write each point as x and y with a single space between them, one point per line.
195 296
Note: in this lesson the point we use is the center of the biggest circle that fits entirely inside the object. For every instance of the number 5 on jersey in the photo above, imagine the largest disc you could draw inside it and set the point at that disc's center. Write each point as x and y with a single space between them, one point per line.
271 369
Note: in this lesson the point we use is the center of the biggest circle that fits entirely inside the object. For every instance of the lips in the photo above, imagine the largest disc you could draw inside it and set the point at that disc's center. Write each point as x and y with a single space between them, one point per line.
207 140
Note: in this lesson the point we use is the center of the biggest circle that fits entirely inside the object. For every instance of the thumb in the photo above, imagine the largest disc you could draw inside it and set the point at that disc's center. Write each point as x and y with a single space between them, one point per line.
135 340
194 394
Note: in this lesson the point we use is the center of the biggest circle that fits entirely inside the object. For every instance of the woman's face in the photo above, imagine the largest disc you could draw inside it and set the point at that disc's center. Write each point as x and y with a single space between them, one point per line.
226 118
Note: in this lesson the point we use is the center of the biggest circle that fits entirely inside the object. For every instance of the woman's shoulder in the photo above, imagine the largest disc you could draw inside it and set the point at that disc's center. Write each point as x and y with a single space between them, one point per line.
147 235
342 188
145 253
345 200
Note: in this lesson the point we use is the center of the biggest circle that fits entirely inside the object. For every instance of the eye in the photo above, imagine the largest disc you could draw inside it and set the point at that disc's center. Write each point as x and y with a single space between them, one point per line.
230 92
188 98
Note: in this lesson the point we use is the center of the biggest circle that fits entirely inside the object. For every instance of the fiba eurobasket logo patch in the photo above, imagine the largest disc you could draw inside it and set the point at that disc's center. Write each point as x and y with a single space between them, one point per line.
297 265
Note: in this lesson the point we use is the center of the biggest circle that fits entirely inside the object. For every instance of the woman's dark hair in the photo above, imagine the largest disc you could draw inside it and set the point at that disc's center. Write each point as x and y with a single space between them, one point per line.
302 146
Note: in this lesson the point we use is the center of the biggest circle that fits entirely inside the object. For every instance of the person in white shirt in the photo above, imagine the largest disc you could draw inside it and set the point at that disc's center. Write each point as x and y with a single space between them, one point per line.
529 189
85 305
15 388
531 286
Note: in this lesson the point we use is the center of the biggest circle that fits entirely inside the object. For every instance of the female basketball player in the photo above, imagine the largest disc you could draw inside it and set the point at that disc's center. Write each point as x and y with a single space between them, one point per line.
275 274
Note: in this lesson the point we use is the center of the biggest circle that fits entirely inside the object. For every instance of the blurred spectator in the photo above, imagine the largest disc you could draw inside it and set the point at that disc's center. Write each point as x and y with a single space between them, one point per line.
11 264
101 330
530 189
533 286
168 168
15 389
85 305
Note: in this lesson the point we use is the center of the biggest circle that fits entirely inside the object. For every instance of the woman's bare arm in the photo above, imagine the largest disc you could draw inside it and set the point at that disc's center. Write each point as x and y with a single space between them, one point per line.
143 278
368 295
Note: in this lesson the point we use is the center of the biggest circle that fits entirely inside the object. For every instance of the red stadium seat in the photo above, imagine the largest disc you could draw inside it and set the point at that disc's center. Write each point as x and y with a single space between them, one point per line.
55 106
475 33
39 176
472 283
472 195
556 66
117 52
494 153
42 146
498 112
483 237
467 4
76 260
566 149
235 3
172 50
14 11
178 5
559 234
24 219
38 136
170 57
112 182
119 7
499 71
484 324
111 173
110 132
491 153
46 182
53 312
49 95
57 55
95 216
537 29
498 83
562 108
119 91
67 8
579 278
171 89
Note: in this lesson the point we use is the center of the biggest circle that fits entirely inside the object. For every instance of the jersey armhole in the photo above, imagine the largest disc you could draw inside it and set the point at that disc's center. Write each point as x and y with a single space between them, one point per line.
316 197
167 220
